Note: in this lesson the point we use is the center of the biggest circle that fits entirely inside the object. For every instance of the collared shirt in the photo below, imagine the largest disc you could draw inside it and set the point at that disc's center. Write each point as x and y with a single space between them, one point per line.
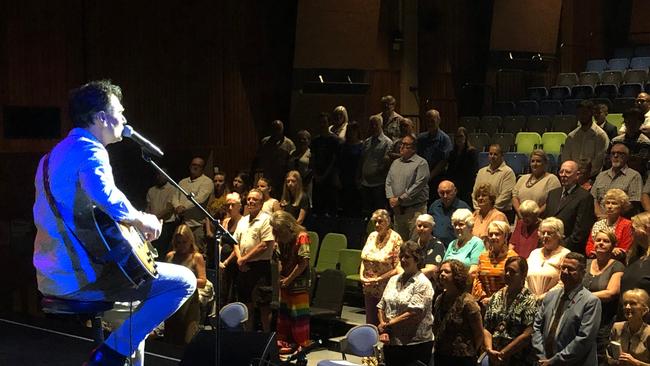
286 144
636 344
158 199
434 148
202 188
502 180
80 176
391 125
374 164
627 179
442 217
588 145
249 233
408 179
639 151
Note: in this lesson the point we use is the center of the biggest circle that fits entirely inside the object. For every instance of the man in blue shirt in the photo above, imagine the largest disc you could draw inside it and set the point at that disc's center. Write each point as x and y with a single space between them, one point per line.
442 209
434 146
79 177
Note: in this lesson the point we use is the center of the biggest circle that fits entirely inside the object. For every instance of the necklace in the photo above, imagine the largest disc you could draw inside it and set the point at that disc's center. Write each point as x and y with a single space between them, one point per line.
532 180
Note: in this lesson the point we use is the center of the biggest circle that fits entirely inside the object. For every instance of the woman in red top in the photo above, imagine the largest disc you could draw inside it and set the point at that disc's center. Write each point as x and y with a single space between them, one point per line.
615 201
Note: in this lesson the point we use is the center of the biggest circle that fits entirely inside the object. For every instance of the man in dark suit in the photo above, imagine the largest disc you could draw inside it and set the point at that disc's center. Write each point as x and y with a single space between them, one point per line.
574 206
566 324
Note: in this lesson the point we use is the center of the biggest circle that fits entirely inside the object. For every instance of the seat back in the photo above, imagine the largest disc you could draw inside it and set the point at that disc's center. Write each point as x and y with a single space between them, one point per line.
513 124
504 139
618 64
589 78
582 92
567 79
527 141
612 77
550 107
490 124
57 305
596 65
636 76
565 123
314 245
559 92
623 104
361 340
483 159
350 261
539 124
479 140
569 106
330 289
641 62
233 315
536 93
609 91
471 123
506 108
553 141
527 107
517 161
630 90
328 255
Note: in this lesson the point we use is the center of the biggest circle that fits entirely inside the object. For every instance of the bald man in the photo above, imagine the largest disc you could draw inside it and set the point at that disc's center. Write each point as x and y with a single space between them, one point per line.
442 209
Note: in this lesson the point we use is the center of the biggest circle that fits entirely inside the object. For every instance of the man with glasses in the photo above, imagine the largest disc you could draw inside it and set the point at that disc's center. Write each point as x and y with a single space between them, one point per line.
638 143
643 103
618 176
390 118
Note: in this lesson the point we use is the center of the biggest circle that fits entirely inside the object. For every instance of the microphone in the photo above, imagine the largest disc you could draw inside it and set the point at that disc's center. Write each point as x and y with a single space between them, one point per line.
145 144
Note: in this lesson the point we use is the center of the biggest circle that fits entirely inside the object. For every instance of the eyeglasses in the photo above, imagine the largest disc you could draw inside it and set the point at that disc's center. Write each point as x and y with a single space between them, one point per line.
618 153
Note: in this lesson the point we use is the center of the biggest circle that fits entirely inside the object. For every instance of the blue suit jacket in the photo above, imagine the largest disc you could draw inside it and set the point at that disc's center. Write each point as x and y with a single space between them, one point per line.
575 342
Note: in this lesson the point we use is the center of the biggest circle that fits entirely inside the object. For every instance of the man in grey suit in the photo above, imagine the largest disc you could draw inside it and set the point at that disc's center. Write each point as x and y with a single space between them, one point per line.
566 325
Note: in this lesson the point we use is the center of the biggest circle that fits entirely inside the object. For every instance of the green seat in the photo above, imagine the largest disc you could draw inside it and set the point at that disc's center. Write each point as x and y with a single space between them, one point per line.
350 262
527 142
328 256
616 119
314 243
553 142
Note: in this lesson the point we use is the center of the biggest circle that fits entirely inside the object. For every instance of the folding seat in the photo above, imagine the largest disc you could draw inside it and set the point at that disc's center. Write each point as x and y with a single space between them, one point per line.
605 101
609 91
642 51
567 79
611 77
539 124
569 106
589 78
622 104
527 107
565 123
640 63
618 64
517 161
552 142
513 124
505 140
506 108
636 76
471 123
582 92
550 107
527 142
536 93
483 159
479 140
630 90
490 124
559 92
624 52
599 65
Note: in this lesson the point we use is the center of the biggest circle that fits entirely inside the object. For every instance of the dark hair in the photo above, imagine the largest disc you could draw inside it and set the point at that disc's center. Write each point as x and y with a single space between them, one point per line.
414 250
582 260
498 146
246 178
324 115
523 264
463 130
633 113
267 180
459 273
89 99
586 103
353 128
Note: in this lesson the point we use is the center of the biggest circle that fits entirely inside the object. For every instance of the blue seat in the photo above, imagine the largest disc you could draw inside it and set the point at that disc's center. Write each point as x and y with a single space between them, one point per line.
483 159
360 341
504 108
569 106
640 63
536 93
609 91
630 90
550 107
598 65
559 92
518 162
552 166
618 64
582 92
234 315
527 107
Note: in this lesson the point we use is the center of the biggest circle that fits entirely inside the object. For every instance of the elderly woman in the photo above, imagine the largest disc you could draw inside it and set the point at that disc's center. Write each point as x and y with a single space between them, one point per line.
536 185
509 318
615 202
544 262
486 212
633 334
603 279
294 199
637 273
379 262
340 122
457 323
405 316
293 248
433 248
270 204
525 239
490 271
466 248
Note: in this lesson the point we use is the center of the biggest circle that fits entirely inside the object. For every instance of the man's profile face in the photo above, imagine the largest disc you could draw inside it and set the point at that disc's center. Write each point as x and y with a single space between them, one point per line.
568 174
643 102
114 120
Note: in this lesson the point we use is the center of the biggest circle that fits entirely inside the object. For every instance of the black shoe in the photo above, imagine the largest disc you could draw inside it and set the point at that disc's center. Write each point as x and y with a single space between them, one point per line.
105 356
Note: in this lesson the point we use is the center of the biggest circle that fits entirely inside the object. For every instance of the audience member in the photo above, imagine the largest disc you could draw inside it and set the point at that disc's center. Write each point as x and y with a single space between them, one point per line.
294 199
643 103
228 259
379 262
645 196
324 150
292 243
566 325
587 141
184 324
466 248
457 323
269 204
405 311
584 169
272 157
637 273
390 119
202 188
462 165
485 213
433 249
159 203
509 318
536 185
254 250
374 167
299 160
525 237
637 142
221 190
241 184
544 263
633 334
339 122
434 145
615 202
406 187
600 117
618 176
406 128
278 138
500 178
442 209
603 279
490 270
349 171
573 205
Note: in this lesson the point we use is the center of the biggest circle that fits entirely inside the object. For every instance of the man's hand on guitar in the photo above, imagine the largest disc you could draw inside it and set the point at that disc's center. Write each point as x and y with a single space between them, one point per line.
149 226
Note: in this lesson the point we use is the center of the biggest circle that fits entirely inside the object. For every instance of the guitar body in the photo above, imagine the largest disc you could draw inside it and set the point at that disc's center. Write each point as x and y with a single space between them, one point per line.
126 247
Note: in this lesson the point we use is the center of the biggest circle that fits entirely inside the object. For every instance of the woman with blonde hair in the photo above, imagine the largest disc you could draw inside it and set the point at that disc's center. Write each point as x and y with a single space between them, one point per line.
294 199
293 254
340 125
615 201
637 273
524 238
536 185
486 212
633 334
544 263
490 270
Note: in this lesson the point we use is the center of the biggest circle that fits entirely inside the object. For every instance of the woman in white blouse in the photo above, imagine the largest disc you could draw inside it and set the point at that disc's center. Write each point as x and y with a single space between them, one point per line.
536 185
544 262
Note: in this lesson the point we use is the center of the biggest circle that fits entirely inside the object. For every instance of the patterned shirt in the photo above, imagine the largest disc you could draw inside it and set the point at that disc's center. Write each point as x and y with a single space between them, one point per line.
627 179
379 258
491 275
374 163
290 255
250 233
451 325
502 181
415 295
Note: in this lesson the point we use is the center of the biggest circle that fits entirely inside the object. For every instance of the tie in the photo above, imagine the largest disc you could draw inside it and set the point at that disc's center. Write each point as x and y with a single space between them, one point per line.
549 341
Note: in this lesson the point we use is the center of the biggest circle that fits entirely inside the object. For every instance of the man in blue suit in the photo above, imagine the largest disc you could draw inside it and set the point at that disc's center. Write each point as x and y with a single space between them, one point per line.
565 327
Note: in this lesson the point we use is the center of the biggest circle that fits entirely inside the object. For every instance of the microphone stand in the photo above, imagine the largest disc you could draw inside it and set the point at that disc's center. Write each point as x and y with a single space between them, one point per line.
219 235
